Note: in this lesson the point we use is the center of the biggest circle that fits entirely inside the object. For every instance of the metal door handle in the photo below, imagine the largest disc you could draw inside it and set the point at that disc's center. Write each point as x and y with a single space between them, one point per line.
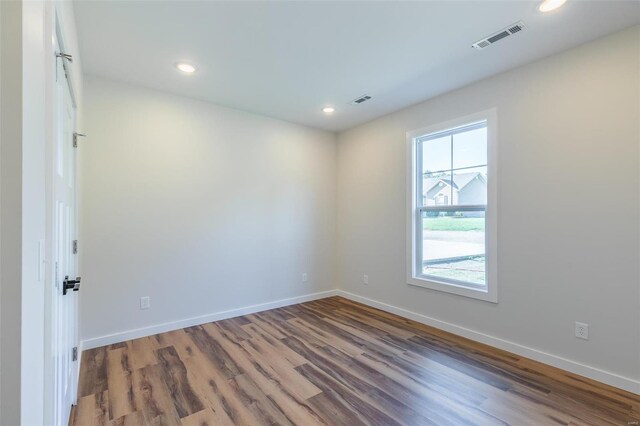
68 284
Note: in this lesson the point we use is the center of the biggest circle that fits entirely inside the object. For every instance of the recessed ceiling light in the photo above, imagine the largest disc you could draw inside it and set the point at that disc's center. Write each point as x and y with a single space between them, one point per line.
328 109
549 5
184 67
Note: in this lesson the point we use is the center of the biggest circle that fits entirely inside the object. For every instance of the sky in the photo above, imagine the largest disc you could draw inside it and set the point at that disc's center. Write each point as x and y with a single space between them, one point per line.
469 150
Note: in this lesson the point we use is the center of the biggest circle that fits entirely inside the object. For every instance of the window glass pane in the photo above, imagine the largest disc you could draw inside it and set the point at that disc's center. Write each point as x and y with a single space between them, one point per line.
436 155
437 189
470 148
469 186
453 245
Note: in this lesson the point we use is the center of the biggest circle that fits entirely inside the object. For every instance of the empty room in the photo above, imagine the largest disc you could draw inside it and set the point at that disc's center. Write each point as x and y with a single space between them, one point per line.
319 212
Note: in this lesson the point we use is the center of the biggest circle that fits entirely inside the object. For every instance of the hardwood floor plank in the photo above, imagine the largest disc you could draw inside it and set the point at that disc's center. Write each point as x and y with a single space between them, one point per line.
413 406
216 390
153 398
179 340
298 411
332 362
257 402
141 353
94 369
463 390
346 399
116 346
93 410
280 383
327 338
414 350
280 322
131 419
286 375
420 401
433 350
205 417
266 365
174 373
372 343
252 364
515 410
232 329
333 411
378 323
257 332
214 351
121 401
255 320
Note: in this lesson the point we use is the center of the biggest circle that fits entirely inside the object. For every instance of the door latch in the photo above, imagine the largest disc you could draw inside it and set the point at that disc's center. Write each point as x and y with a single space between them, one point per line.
68 284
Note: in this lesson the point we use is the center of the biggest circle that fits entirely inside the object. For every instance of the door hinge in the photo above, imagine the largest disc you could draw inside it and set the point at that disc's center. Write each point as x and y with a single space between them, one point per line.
64 56
74 353
75 138
74 246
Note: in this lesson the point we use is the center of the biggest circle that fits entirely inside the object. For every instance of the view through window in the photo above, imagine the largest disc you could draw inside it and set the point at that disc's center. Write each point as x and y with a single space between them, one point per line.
452 201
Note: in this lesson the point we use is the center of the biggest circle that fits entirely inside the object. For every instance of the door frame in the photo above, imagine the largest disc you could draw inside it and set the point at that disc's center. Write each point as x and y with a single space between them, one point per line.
54 27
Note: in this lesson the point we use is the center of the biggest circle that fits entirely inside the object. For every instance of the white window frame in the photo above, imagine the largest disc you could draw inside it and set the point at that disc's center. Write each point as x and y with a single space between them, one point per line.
490 293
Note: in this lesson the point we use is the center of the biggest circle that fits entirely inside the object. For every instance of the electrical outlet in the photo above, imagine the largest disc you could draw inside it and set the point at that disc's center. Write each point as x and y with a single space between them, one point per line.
145 302
582 330
365 279
305 278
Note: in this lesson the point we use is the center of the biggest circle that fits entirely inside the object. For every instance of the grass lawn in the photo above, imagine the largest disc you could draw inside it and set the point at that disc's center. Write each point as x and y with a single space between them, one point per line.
448 223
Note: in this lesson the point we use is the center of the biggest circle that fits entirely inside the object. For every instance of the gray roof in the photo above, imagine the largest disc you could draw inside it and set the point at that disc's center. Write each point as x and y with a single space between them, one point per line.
459 180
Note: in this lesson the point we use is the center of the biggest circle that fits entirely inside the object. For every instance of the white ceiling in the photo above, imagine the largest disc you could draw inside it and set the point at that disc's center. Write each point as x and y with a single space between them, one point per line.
287 59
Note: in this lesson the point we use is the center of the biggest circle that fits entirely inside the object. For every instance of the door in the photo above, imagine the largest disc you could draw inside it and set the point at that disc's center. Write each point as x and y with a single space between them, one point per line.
63 233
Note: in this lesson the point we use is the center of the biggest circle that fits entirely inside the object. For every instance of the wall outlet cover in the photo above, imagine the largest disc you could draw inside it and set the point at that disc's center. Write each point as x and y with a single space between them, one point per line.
145 302
582 330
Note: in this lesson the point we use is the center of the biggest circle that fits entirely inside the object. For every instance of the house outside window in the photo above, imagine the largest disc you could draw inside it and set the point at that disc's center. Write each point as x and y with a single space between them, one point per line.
440 200
452 217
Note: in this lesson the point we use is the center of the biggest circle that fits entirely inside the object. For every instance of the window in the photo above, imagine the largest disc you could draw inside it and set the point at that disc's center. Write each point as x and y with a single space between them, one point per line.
451 232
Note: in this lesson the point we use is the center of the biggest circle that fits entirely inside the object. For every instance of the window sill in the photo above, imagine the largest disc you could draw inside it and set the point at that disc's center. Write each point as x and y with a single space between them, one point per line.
480 294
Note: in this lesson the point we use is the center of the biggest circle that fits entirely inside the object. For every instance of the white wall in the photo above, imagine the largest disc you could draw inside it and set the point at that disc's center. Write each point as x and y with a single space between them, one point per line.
10 208
568 133
202 208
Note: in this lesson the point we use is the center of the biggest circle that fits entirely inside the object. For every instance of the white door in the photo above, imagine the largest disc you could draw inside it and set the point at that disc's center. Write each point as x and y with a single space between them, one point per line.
63 300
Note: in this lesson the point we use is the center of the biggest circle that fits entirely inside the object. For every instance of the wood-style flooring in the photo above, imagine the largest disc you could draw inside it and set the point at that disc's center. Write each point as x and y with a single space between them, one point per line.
334 362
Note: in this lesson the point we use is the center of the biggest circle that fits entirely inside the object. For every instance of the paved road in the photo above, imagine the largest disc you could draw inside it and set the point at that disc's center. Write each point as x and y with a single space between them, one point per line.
447 244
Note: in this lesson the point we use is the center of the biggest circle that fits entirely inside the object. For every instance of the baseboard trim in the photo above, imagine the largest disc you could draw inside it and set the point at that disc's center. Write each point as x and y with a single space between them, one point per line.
202 319
599 375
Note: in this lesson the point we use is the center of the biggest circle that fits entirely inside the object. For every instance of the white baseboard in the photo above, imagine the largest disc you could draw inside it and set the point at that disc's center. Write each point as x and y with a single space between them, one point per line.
612 379
202 319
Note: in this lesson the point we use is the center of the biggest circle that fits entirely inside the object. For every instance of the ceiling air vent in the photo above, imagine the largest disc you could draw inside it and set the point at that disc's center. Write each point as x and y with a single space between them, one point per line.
359 100
494 38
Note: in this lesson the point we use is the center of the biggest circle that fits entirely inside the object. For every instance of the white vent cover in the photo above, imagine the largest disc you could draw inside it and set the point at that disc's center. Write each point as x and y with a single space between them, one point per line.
494 38
360 99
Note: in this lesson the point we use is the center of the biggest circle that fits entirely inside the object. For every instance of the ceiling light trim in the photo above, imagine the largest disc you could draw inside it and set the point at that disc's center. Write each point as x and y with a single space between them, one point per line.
186 67
550 5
